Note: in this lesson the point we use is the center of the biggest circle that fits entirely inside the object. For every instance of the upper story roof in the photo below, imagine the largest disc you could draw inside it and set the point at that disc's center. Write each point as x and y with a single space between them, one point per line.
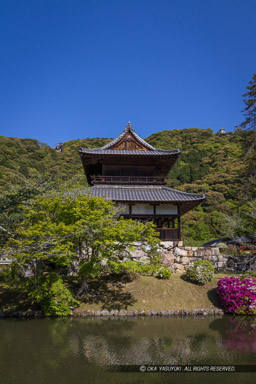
128 129
129 143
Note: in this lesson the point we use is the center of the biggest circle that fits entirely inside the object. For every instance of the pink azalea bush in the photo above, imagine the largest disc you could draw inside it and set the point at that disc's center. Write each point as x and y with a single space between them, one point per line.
238 294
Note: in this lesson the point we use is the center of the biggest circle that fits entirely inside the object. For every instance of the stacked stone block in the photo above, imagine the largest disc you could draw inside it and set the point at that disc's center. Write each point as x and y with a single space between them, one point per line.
178 258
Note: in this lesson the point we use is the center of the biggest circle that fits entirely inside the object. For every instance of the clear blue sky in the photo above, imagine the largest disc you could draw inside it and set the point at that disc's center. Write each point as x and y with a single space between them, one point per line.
84 68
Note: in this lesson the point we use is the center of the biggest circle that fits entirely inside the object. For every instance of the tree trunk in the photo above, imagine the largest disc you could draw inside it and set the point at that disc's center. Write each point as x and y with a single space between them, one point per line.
84 288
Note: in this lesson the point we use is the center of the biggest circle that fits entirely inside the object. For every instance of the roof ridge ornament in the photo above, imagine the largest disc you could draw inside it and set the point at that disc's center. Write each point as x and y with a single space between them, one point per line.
129 127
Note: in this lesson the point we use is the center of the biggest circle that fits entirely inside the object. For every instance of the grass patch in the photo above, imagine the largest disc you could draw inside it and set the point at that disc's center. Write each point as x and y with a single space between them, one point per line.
141 293
146 292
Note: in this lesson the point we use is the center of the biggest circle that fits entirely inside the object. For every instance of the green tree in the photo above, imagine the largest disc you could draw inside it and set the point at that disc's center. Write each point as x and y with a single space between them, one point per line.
250 102
216 223
243 223
13 202
77 234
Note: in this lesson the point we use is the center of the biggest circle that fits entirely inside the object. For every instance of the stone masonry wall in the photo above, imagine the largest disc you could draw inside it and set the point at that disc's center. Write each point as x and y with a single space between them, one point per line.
178 258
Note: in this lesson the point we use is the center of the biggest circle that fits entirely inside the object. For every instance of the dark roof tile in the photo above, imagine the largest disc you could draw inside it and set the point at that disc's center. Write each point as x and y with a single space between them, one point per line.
129 128
143 194
157 152
151 151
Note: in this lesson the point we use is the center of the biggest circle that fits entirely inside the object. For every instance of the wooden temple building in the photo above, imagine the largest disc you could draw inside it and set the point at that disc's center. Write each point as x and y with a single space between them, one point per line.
131 172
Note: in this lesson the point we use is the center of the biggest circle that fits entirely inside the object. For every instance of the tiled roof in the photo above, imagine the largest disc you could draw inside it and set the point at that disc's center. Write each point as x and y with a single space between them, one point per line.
151 151
156 152
129 128
144 194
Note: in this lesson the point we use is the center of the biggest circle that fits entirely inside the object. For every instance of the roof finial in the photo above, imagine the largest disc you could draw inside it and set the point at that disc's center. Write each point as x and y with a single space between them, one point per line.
129 126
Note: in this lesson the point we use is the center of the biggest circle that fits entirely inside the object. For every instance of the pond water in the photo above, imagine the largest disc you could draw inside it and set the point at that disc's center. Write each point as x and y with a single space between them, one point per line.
63 350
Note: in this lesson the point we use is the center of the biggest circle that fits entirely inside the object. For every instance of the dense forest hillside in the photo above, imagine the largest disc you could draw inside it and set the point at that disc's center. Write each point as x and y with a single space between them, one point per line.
221 165
21 158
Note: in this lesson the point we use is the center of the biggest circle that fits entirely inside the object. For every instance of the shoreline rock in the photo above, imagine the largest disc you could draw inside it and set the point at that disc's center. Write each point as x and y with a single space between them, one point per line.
122 313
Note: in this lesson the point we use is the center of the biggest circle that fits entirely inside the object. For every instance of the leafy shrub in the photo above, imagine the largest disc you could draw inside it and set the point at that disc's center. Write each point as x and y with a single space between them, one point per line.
137 268
160 270
163 272
54 298
200 272
238 294
59 301
130 268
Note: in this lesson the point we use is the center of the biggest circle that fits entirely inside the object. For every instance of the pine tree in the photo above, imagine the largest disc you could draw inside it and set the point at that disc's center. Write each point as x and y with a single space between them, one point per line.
250 102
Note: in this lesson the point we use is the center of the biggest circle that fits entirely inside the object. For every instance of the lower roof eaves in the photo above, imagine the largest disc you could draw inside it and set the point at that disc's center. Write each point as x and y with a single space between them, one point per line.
148 194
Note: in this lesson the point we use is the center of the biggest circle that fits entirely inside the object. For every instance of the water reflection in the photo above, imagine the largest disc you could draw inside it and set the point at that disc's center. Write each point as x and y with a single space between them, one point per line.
77 351
238 333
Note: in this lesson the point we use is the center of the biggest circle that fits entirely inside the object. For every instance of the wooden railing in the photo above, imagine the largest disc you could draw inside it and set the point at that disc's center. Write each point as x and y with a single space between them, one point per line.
168 234
128 180
5 261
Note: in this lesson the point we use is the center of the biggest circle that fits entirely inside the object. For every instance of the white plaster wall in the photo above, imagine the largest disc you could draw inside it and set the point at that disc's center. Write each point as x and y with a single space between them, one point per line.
142 209
169 209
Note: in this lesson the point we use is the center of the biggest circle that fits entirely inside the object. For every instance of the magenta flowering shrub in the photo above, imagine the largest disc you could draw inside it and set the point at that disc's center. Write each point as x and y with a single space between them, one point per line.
238 294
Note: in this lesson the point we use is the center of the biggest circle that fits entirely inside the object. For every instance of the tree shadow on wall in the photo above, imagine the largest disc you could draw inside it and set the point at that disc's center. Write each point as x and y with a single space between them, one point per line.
110 293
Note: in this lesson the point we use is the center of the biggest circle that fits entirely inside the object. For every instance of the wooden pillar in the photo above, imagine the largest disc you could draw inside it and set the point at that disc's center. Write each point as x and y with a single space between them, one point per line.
155 219
179 228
